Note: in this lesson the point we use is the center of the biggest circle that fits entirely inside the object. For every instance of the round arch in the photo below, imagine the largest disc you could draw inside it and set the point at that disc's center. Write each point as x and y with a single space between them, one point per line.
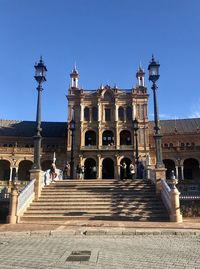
90 169
108 168
108 138
125 137
169 165
24 168
90 138
4 170
191 169
125 174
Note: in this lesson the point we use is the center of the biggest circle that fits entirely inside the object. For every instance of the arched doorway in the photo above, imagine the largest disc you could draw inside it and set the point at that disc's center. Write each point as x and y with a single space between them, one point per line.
24 168
108 138
4 170
108 169
90 167
90 138
169 165
46 165
127 173
125 137
191 169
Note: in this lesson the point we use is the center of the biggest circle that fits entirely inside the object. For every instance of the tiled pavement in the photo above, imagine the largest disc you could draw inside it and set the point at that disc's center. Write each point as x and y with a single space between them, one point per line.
112 245
44 251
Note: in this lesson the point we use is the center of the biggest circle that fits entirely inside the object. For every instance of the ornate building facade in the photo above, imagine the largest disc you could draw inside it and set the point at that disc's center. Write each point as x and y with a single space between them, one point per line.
104 136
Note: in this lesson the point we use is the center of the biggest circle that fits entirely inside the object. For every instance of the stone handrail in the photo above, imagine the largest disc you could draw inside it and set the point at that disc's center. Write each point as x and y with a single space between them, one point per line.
165 194
170 197
25 198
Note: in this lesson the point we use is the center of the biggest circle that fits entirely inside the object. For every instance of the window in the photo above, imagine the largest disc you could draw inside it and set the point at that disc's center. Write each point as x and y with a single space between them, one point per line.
107 114
121 113
129 113
90 138
108 138
86 114
94 114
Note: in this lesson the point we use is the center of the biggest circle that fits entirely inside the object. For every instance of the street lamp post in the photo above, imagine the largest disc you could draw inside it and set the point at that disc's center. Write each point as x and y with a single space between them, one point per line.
40 77
154 76
135 129
72 128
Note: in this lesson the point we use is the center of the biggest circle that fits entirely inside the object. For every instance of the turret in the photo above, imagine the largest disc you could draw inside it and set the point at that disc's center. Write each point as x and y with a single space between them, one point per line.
140 77
74 78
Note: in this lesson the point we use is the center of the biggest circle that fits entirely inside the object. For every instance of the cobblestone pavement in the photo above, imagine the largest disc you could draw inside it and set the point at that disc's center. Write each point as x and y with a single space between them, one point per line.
43 251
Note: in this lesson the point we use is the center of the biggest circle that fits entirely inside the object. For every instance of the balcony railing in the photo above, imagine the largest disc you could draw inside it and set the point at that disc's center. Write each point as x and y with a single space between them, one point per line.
108 147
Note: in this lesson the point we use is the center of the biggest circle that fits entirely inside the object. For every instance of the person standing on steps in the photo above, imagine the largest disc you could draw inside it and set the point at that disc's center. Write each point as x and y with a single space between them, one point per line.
132 171
66 171
124 166
78 171
82 171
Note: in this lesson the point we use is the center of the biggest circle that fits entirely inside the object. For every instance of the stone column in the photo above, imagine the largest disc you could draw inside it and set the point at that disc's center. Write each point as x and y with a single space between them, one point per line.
182 172
11 170
99 112
99 168
12 217
117 138
99 137
82 112
160 173
177 175
38 176
117 169
116 112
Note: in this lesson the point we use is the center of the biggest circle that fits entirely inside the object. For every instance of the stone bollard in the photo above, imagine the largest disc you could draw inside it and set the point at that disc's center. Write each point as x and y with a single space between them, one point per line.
175 214
12 217
37 175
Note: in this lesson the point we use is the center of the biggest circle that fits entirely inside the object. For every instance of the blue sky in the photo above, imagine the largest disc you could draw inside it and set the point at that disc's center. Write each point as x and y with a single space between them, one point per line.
107 39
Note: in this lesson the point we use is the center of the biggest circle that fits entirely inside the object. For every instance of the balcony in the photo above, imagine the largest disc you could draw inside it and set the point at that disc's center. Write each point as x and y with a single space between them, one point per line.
107 147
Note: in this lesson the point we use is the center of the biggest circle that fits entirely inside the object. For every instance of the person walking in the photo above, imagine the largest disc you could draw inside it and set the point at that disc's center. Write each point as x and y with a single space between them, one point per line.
132 171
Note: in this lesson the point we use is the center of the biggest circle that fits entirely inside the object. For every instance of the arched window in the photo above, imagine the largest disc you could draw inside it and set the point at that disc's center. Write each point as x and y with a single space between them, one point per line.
125 137
129 113
108 138
121 113
90 138
94 113
86 114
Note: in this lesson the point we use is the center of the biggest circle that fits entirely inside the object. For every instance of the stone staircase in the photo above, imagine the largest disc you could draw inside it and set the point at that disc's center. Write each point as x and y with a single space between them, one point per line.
96 200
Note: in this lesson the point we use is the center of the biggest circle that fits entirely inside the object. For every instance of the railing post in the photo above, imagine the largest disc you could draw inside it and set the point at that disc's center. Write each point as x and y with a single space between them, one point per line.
12 217
37 175
160 173
175 214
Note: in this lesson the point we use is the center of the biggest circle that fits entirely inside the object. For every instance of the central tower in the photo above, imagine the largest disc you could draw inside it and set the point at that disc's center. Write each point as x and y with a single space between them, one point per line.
104 136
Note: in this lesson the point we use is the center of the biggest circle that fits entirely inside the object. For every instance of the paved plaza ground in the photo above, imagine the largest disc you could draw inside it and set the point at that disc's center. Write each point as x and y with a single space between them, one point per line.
43 251
100 245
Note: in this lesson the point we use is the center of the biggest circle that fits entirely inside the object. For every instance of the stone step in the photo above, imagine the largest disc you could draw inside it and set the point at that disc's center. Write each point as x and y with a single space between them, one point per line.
114 217
98 203
113 190
94 211
94 199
